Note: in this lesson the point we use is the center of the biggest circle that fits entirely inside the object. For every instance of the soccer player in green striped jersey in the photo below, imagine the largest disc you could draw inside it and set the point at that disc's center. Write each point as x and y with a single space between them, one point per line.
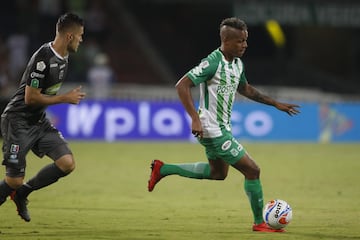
220 76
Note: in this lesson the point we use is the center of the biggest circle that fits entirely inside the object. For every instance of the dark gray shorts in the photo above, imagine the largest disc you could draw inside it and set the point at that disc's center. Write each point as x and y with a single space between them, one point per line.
19 137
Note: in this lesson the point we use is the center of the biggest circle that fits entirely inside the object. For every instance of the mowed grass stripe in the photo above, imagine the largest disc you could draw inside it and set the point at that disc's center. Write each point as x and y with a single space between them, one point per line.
107 198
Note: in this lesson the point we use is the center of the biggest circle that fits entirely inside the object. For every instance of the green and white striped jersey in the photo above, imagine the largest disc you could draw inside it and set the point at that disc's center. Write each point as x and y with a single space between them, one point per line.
219 80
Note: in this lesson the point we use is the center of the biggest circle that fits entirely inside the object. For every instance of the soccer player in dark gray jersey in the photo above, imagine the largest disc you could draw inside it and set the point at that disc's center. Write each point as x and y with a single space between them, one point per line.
46 70
23 122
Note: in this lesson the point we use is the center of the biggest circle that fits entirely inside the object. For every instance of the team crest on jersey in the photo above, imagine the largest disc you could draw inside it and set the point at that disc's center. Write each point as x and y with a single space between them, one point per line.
40 66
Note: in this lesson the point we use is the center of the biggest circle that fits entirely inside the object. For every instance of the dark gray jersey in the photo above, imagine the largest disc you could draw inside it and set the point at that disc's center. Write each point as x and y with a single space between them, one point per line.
46 70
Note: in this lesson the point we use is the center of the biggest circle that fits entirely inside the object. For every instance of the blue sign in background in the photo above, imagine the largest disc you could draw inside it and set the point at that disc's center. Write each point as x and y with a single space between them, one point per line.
261 122
146 120
114 120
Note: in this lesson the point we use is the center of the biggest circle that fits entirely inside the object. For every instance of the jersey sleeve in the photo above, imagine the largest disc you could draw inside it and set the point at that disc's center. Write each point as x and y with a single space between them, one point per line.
37 70
243 79
204 71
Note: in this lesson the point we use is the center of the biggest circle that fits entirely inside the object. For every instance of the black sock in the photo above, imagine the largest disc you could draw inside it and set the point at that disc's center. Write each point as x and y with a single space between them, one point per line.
5 190
46 176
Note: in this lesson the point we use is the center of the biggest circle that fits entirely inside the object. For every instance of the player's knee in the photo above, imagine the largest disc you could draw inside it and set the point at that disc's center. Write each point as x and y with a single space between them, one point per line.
256 170
69 167
66 163
14 183
253 173
219 175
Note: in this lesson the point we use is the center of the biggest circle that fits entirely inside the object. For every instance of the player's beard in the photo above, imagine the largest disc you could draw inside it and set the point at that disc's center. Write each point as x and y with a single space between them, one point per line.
240 53
71 49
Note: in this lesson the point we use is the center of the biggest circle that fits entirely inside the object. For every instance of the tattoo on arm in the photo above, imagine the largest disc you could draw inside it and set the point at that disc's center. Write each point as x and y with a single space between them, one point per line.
253 94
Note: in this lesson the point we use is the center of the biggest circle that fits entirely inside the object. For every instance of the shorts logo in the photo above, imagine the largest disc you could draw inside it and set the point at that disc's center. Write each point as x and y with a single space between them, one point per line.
234 152
226 145
40 66
13 158
14 148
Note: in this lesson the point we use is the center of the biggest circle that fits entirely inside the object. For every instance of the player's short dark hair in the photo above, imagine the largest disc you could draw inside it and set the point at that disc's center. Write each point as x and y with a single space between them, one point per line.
68 20
234 22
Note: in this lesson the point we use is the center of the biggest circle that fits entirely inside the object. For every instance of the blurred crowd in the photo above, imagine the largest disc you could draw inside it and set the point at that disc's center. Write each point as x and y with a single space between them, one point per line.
34 24
156 42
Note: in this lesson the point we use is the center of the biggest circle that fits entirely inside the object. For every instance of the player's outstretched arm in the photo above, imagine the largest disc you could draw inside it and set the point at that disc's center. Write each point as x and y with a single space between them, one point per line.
252 93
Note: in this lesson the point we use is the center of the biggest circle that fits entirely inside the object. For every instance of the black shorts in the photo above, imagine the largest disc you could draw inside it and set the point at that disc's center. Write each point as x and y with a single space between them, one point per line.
19 137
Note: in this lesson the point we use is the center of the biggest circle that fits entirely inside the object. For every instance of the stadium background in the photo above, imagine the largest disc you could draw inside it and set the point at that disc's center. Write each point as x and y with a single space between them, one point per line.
300 51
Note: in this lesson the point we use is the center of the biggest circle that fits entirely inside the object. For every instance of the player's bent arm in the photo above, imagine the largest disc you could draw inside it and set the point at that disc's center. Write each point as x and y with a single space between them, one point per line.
183 88
33 96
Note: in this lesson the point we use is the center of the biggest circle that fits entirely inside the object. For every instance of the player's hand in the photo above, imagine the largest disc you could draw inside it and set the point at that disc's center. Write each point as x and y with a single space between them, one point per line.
291 109
76 95
196 128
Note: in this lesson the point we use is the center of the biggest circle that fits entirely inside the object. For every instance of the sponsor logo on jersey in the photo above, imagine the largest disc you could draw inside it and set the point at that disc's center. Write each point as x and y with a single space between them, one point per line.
226 89
34 83
36 75
40 66
53 89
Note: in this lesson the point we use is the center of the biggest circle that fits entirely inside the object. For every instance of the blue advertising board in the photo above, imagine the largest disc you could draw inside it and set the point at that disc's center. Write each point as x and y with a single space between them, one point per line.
147 120
114 120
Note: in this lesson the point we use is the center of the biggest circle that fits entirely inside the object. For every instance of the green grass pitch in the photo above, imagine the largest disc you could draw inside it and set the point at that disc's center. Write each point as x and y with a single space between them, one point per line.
107 198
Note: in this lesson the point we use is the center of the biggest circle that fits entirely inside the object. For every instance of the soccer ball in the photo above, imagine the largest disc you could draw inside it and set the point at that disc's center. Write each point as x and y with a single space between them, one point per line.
277 213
